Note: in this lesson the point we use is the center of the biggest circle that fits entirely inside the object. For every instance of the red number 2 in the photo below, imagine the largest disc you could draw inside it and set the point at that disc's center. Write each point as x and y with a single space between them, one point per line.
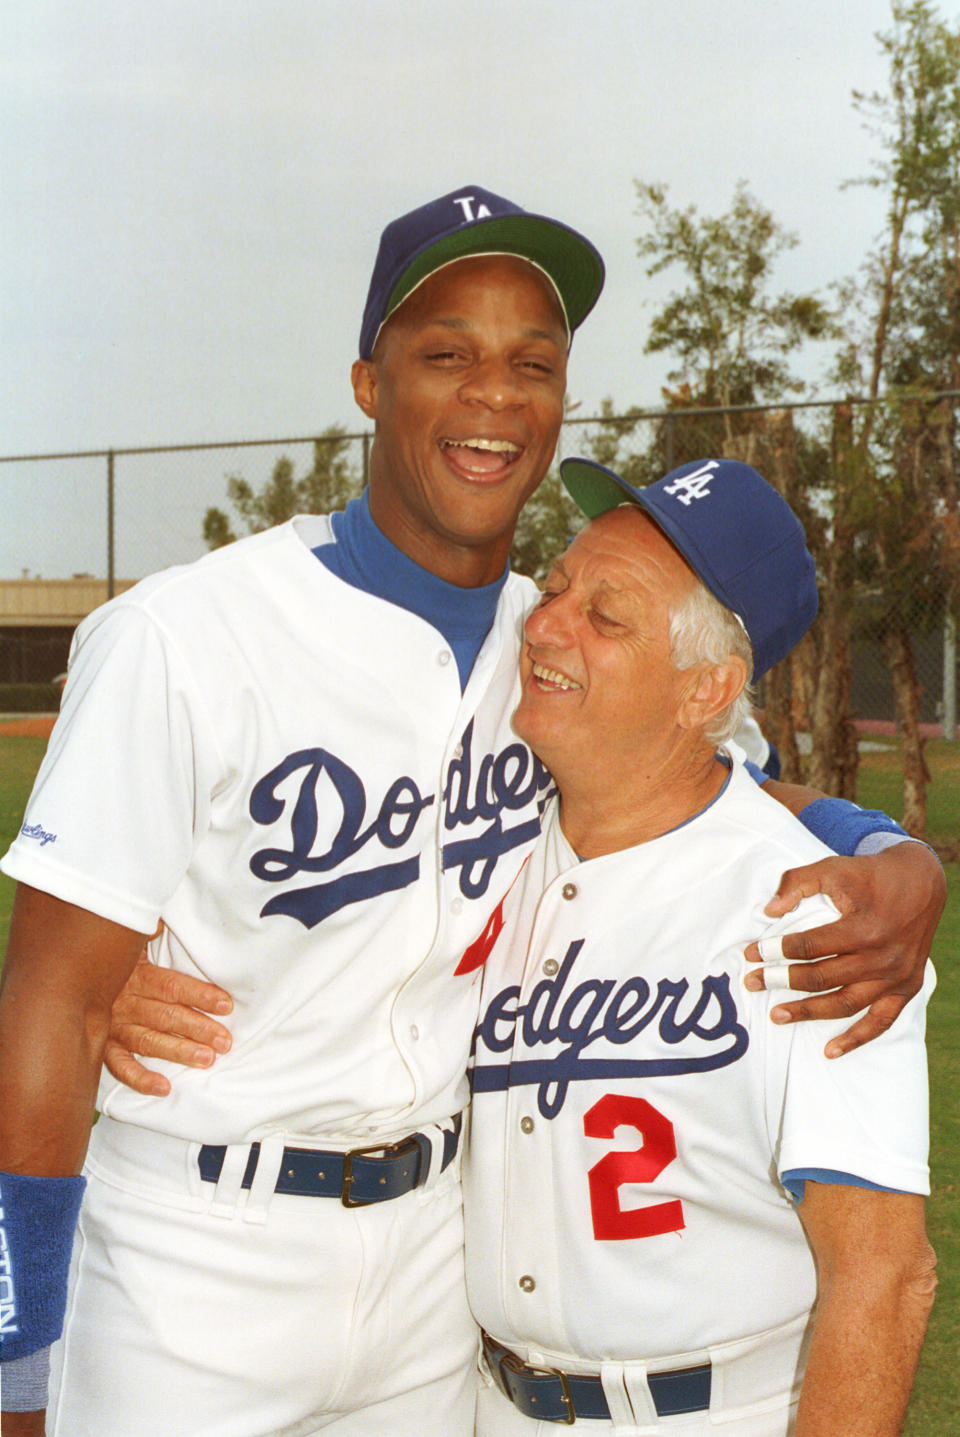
640 1166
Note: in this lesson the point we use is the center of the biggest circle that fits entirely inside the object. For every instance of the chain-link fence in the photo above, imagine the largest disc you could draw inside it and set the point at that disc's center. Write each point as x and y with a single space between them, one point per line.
125 513
117 515
875 484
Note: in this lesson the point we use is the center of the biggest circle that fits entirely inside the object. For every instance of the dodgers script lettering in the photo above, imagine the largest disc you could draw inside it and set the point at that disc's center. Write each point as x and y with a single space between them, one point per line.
313 792
599 1010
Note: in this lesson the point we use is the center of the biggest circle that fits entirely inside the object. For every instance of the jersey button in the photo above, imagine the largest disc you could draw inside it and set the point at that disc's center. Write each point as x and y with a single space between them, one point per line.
550 967
569 890
443 658
414 1031
456 906
526 1283
526 1125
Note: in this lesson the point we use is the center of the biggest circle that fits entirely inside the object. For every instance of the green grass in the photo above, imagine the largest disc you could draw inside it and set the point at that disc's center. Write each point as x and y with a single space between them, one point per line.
880 786
935 1406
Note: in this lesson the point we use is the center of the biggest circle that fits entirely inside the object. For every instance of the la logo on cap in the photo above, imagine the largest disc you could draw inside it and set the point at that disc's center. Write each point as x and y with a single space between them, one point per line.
466 203
693 486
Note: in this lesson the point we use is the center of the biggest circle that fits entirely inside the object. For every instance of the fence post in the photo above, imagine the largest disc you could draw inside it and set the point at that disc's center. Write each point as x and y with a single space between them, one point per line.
671 427
110 526
950 672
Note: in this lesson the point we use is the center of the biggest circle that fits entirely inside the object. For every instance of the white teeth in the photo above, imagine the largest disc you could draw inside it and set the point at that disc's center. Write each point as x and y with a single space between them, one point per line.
497 446
551 676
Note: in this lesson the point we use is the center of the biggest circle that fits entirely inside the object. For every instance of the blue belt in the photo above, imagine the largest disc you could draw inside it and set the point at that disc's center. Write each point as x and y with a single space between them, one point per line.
552 1396
358 1178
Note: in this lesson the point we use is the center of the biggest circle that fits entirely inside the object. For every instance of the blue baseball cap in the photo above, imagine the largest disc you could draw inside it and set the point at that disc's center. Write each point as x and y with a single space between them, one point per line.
737 534
474 221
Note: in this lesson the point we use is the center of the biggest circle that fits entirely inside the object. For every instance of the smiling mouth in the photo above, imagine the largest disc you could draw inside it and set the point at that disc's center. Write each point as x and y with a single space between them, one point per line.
483 458
549 680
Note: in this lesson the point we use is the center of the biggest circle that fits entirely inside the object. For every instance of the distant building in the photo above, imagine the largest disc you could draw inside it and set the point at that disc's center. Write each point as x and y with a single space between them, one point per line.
37 621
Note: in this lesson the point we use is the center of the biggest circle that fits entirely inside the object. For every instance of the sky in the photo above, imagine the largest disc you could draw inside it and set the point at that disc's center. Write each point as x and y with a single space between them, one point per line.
191 193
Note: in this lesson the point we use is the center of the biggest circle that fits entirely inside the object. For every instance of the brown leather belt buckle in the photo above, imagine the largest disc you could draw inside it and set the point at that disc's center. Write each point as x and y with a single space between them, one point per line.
522 1369
378 1152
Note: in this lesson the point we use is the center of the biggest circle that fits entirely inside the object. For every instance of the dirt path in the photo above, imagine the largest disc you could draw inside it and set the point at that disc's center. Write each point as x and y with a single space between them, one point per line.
30 726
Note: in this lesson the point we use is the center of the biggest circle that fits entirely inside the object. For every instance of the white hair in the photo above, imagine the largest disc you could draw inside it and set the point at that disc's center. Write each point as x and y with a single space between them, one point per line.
704 631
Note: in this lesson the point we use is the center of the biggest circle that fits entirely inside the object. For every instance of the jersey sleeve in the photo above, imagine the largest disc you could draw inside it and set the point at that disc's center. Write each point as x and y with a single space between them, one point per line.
123 791
865 1114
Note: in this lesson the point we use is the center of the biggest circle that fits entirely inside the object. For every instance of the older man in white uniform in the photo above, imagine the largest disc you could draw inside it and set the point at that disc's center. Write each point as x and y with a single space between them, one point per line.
657 1174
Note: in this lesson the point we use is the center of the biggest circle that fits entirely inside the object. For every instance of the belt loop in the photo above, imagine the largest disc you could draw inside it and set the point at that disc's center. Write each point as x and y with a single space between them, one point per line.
226 1195
624 1415
638 1392
264 1180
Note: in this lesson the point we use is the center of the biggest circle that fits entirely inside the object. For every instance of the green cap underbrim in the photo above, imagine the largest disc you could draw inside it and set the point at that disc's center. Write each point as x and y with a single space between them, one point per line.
571 263
592 492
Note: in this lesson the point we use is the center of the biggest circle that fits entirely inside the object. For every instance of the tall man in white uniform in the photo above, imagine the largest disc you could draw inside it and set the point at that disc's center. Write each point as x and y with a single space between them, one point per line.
314 784
297 753
641 1132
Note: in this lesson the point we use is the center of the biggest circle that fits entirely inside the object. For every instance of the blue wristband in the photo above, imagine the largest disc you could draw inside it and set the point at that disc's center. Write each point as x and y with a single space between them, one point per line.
842 825
37 1221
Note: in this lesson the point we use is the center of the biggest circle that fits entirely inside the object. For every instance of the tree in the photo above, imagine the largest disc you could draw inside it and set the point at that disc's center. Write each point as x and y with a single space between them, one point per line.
908 568
917 122
731 336
904 326
329 485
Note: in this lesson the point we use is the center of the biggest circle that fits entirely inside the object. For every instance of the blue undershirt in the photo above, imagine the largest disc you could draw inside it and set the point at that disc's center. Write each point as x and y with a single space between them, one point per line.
366 558
361 555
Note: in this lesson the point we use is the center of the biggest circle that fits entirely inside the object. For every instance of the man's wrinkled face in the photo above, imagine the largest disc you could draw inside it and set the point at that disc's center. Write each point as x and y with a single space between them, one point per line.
466 389
599 685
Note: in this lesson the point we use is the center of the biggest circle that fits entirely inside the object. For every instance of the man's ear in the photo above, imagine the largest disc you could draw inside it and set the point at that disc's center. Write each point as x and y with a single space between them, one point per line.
714 688
363 377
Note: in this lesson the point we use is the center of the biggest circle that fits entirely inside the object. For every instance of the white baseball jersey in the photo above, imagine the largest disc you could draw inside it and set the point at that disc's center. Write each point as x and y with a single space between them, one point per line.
633 1105
283 768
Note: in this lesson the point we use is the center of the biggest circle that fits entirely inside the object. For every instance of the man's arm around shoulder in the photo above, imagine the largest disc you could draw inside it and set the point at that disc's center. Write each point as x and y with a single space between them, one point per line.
871 960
